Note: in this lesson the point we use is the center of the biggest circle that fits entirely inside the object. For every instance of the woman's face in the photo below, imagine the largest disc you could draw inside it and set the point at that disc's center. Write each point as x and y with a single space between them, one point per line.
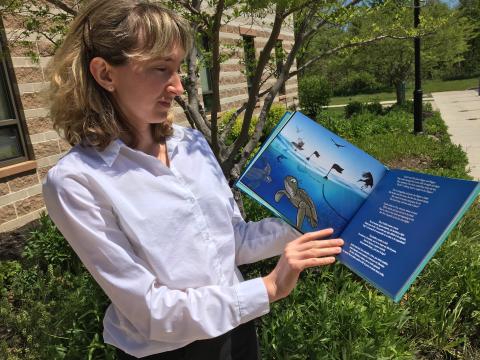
144 90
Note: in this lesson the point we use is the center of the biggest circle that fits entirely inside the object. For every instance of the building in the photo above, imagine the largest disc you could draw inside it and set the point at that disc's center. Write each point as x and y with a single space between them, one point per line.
29 146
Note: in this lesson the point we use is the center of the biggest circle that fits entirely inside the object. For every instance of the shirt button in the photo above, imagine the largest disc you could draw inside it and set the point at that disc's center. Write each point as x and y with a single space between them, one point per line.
156 284
191 200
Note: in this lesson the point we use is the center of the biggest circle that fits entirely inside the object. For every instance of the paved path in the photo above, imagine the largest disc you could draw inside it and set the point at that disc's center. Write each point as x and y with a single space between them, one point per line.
461 112
384 103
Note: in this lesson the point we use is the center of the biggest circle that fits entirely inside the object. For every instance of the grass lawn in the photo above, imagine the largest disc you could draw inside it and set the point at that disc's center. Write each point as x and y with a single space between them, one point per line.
428 86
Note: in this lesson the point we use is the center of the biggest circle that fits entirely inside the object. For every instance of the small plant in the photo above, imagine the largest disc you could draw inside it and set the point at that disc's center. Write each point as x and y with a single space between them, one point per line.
47 246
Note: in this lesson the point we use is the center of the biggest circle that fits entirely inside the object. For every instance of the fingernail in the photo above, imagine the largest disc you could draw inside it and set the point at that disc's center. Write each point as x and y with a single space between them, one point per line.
341 241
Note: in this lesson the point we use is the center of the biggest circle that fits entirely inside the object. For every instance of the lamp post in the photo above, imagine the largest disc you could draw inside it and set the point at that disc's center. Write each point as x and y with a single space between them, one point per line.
417 93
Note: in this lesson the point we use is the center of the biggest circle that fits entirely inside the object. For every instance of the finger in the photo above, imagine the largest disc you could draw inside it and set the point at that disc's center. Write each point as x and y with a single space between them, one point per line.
319 244
308 263
318 253
315 235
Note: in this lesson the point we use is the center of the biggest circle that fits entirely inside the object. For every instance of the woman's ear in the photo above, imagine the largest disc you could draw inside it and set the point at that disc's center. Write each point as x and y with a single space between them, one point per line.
102 73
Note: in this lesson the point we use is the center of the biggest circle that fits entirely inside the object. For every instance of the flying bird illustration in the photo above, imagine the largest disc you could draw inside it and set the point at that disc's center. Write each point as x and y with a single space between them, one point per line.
298 145
367 179
337 144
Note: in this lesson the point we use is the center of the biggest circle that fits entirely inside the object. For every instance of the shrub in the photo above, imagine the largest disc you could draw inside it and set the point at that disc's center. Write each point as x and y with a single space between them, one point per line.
374 107
47 246
357 83
352 108
314 93
273 117
50 306
357 107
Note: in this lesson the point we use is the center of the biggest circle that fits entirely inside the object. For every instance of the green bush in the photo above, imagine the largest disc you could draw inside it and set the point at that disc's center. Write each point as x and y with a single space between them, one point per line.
47 246
357 107
353 108
273 117
374 108
50 307
314 93
357 83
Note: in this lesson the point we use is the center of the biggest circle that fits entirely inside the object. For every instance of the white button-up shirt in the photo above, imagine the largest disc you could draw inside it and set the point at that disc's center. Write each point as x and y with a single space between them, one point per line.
163 242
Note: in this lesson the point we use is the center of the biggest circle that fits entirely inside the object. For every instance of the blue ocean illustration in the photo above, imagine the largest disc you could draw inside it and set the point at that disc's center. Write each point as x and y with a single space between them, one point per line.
312 177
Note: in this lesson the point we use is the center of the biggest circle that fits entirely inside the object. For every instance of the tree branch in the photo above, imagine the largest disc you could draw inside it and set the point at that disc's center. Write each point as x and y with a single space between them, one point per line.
217 22
193 118
61 5
252 97
252 143
194 9
345 46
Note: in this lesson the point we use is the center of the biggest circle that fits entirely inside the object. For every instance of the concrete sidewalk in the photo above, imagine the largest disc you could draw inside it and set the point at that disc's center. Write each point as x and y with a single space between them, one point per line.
384 103
461 112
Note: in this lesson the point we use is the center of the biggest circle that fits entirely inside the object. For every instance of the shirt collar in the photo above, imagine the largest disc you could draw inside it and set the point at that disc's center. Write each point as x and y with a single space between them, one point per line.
110 153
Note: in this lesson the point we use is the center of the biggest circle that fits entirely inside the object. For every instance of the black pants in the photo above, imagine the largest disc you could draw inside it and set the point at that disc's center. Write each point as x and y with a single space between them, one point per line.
240 343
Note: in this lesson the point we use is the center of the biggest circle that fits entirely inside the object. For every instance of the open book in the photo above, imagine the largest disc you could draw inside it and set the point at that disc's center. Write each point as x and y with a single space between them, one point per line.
392 221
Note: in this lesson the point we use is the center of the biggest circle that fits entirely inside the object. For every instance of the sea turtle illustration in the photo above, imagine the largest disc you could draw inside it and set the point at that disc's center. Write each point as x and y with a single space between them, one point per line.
300 199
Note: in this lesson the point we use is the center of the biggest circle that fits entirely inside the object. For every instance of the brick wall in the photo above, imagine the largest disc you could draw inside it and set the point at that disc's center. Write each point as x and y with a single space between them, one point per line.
20 194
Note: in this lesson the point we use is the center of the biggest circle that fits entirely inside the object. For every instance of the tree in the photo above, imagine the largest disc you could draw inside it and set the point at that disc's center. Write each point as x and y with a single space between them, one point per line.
207 17
470 66
391 60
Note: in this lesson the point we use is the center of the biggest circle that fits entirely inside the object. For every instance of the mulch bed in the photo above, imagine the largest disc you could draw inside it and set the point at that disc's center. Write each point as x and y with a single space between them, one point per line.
416 163
13 242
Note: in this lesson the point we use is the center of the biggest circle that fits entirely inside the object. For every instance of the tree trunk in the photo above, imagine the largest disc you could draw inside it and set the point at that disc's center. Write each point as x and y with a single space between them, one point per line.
237 195
400 88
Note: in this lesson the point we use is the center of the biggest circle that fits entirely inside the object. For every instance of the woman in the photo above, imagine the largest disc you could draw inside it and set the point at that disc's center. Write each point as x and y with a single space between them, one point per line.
144 203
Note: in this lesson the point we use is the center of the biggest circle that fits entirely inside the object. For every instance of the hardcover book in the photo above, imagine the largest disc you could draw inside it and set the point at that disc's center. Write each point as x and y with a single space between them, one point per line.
392 221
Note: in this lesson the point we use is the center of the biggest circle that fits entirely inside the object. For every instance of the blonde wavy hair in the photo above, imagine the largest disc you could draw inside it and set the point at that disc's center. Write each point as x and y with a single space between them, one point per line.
116 30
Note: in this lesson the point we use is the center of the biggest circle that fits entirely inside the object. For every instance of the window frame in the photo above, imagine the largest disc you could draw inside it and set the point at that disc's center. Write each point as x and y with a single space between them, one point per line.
14 100
250 62
279 65
205 74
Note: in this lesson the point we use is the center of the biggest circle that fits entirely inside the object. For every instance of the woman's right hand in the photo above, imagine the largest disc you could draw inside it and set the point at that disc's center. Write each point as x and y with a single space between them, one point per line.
307 251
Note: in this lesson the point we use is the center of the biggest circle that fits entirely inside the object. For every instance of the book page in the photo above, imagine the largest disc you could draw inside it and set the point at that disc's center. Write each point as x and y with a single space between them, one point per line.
311 177
401 225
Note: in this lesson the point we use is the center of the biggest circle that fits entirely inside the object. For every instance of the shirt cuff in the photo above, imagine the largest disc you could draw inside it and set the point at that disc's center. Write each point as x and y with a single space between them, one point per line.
252 299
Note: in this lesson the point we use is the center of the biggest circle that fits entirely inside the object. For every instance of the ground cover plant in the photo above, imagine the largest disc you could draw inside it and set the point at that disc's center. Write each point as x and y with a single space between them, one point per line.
50 308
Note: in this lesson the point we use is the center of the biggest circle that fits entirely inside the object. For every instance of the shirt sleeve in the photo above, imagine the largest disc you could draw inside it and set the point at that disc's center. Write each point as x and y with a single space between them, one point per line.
86 219
260 240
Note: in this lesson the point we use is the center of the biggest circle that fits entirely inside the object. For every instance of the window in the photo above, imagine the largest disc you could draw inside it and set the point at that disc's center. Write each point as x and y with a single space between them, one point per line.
249 57
279 57
12 141
206 78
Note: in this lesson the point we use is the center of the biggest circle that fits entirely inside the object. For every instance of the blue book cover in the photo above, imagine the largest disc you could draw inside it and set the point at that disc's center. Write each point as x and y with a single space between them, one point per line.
392 221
